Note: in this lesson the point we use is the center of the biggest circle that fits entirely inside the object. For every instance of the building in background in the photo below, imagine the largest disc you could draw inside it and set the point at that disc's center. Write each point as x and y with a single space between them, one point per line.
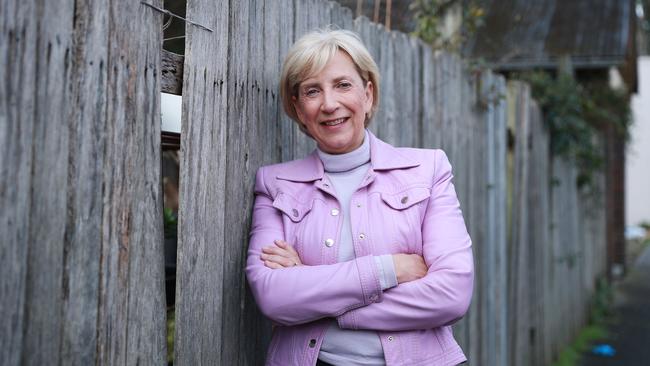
595 40
637 178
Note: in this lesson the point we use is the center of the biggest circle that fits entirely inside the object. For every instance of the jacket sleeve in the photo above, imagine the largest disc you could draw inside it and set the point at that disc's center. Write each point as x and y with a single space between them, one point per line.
302 294
443 295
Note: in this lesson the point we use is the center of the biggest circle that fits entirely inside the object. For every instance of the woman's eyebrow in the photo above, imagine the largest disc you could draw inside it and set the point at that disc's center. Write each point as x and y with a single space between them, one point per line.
309 84
342 77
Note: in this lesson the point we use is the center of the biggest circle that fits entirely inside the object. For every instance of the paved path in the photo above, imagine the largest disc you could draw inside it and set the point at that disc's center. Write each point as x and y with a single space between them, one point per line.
630 335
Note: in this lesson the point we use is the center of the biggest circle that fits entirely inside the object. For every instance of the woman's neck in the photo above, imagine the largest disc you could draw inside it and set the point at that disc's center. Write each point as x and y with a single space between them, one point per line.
335 163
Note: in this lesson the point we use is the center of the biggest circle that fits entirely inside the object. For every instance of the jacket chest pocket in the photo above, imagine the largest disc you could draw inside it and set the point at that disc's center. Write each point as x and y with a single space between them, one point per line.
293 209
299 224
403 217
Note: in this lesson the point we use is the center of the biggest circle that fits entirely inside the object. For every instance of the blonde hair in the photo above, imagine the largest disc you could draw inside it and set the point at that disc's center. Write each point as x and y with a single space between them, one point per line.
309 56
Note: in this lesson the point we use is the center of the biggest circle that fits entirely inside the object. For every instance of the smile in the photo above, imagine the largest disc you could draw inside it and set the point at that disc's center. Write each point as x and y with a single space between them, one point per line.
334 122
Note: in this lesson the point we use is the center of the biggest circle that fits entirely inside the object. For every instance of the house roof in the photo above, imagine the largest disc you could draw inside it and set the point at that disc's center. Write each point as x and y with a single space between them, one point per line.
536 33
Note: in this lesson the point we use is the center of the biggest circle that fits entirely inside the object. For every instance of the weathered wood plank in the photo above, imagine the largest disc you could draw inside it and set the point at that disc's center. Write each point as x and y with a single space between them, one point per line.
385 117
77 192
171 80
45 259
538 223
245 99
199 285
501 228
263 147
241 100
497 225
18 42
85 201
431 137
342 17
519 315
132 303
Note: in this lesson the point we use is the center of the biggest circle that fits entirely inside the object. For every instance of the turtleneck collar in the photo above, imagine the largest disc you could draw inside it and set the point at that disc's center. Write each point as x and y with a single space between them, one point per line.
348 161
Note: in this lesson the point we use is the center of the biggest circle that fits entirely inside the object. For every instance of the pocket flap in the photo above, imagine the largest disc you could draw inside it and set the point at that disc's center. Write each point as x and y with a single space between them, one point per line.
406 198
291 207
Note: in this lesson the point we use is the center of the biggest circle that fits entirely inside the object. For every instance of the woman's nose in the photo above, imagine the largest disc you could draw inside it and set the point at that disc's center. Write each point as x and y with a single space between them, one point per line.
329 103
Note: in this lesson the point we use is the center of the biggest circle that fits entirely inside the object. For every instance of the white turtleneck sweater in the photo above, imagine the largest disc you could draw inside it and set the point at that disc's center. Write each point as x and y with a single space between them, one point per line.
344 346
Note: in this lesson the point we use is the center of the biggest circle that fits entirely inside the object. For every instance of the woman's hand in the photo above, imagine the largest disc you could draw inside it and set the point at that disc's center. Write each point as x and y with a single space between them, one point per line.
409 267
280 255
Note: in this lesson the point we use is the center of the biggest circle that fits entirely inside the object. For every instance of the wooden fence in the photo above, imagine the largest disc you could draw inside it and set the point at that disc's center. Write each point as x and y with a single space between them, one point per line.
81 269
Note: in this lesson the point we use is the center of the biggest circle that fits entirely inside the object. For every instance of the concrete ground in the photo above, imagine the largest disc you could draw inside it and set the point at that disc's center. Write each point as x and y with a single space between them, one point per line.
629 334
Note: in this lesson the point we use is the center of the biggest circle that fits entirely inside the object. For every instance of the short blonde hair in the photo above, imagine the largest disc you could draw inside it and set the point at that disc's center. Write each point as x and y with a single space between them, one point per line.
309 56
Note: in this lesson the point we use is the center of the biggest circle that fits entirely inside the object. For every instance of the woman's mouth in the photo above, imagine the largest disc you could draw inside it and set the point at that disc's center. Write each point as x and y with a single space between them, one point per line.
334 122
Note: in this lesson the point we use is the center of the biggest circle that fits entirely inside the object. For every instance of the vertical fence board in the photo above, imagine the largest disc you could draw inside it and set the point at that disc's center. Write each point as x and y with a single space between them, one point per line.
45 242
519 315
288 130
87 159
199 286
18 42
386 114
92 238
538 232
429 132
79 119
243 70
132 305
341 16
500 223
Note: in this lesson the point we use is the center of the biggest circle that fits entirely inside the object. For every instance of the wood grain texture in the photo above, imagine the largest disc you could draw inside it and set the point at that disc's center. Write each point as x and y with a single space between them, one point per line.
131 300
519 246
85 200
201 255
171 80
45 259
86 268
80 121
18 119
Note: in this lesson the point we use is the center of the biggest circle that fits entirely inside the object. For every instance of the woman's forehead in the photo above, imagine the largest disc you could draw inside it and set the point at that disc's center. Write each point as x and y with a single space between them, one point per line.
339 66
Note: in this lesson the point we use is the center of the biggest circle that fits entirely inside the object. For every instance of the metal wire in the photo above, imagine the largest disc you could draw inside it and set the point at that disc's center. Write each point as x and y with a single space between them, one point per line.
165 11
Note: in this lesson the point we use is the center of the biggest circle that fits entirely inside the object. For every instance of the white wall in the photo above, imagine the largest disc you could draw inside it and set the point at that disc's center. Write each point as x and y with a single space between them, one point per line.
170 109
637 166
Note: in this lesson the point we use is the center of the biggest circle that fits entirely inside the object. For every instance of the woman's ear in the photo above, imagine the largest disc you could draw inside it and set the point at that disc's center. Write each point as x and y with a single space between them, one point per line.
369 92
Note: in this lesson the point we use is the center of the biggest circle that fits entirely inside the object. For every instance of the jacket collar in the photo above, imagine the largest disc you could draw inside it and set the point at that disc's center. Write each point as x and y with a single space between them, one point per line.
382 157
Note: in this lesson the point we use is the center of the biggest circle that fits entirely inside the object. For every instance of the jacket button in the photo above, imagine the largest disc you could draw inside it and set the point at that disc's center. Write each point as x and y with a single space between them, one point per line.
334 212
312 343
390 338
326 185
404 199
362 236
358 205
329 242
294 212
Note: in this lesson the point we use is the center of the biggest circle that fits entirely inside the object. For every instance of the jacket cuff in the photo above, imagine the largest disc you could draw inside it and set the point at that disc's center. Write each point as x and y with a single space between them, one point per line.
386 270
347 320
369 277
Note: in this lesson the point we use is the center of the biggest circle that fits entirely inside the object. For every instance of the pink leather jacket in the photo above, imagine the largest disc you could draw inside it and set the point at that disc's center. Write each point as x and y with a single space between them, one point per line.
405 204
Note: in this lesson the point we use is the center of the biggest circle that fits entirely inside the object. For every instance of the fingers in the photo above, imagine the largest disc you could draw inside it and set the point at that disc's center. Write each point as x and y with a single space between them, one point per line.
272 265
278 259
282 253
286 246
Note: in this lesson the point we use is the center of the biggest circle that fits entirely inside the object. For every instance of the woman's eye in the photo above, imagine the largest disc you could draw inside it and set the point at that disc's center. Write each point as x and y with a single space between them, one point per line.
345 85
311 92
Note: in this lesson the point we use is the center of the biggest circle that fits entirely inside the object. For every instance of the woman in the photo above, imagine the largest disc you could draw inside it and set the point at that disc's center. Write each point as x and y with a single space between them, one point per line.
358 252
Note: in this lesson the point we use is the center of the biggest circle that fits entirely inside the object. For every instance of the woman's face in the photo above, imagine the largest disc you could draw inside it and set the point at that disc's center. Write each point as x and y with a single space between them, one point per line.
332 105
